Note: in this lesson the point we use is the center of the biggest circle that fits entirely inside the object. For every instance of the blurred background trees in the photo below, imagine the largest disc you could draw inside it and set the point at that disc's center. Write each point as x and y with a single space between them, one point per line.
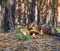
28 11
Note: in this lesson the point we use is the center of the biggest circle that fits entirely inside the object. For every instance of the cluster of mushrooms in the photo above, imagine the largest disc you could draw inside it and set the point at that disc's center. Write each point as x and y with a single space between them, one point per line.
33 28
41 29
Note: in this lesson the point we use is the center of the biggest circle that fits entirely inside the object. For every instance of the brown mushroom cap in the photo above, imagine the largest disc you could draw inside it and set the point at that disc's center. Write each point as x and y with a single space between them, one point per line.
34 31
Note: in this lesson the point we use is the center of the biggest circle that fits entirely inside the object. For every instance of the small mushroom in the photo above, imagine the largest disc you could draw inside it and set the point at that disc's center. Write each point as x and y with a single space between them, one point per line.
45 28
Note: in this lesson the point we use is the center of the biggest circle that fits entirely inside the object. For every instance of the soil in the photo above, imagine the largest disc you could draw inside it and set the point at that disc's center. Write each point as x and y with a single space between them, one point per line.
8 42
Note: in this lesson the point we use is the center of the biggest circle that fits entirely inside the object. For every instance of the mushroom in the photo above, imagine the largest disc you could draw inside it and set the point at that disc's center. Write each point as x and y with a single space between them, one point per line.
53 31
33 28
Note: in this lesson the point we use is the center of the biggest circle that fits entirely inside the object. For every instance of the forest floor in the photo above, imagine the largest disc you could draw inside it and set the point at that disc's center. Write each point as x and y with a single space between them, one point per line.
37 43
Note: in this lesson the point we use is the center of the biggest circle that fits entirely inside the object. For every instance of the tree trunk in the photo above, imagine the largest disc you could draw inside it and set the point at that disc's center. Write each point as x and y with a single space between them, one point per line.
9 16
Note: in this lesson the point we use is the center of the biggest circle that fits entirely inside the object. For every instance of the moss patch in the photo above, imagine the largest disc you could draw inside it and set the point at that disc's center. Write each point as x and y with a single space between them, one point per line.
58 29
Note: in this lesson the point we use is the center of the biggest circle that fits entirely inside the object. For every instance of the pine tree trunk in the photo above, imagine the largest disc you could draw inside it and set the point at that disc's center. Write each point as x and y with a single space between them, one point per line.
8 18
